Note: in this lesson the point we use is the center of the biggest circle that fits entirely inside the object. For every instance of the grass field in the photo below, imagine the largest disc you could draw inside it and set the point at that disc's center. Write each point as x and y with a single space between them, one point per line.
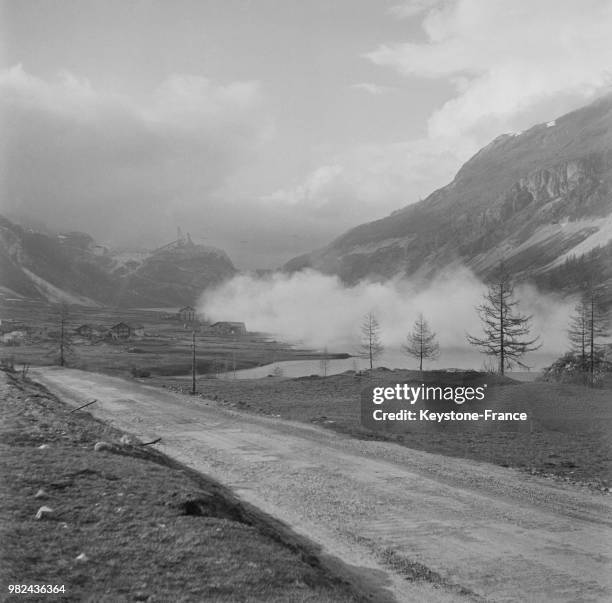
165 349
568 435
127 526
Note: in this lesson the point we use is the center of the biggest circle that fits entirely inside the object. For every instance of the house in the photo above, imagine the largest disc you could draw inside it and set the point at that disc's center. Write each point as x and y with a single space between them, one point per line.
187 314
84 330
137 330
87 331
228 328
8 325
120 331
13 338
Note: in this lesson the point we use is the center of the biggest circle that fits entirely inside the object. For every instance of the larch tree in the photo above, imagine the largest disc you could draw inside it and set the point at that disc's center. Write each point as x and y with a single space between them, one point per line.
370 346
506 330
578 332
588 325
65 348
421 343
324 362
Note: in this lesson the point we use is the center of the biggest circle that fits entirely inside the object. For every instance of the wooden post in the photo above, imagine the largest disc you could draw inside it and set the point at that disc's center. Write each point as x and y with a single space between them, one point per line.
193 364
62 361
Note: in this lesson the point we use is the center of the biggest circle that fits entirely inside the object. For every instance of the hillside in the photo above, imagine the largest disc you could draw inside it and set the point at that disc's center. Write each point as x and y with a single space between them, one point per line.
539 200
72 267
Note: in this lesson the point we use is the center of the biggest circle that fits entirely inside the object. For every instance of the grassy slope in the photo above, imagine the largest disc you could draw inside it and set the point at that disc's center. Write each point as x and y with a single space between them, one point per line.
149 531
568 436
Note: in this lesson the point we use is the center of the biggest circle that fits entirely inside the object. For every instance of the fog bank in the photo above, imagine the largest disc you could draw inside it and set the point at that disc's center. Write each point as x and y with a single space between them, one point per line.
317 310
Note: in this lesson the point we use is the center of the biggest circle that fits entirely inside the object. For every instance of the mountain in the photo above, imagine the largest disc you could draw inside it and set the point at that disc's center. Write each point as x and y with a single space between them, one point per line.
174 275
72 267
539 200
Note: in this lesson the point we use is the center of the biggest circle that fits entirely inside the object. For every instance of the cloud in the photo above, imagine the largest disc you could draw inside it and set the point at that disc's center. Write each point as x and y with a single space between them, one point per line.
374 89
411 8
512 63
369 181
75 156
318 310
192 101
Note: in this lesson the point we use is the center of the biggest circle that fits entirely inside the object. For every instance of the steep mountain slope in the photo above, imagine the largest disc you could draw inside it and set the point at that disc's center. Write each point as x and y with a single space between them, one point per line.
533 199
63 267
71 267
175 276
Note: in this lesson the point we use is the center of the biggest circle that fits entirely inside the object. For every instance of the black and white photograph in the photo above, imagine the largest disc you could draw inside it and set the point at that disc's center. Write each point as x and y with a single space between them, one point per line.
306 301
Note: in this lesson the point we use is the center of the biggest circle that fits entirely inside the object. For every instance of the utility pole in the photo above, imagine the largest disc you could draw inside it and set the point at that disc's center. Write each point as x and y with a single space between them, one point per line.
193 364
65 347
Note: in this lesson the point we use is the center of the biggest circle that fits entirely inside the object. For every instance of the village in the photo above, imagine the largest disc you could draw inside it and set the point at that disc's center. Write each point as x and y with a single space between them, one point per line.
133 342
186 316
16 332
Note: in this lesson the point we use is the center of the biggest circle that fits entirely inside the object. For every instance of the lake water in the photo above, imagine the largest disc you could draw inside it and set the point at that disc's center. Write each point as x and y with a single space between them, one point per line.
451 359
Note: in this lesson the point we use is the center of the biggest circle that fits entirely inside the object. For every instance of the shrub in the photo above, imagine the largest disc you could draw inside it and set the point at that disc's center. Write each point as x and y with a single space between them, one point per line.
572 368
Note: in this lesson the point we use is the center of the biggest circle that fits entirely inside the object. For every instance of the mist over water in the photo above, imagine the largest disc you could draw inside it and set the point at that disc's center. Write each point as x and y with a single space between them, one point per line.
317 310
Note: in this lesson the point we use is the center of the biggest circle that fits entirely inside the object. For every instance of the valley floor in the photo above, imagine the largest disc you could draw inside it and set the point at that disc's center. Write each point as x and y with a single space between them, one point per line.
427 527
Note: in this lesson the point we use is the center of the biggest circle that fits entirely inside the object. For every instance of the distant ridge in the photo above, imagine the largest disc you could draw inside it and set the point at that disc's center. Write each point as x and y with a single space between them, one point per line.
72 267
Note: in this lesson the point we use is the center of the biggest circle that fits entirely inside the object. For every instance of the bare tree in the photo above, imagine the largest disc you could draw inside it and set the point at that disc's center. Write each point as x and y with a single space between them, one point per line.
588 325
506 331
324 362
578 332
371 346
65 348
421 343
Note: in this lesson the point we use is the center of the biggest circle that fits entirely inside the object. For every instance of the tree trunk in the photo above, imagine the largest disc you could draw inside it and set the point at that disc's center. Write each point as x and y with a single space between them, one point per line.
592 334
502 360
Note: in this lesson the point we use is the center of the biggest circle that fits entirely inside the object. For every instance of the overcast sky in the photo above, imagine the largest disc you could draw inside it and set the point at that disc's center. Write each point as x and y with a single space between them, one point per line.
268 127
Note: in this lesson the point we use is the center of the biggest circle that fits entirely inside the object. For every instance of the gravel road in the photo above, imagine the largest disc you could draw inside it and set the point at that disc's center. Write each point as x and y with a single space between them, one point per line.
475 531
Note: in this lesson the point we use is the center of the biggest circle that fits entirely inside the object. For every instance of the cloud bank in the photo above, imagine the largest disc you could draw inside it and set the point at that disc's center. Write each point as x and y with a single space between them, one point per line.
74 156
369 180
317 310
511 62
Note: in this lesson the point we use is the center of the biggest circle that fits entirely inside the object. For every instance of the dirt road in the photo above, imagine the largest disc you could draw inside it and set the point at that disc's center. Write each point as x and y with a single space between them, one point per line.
476 531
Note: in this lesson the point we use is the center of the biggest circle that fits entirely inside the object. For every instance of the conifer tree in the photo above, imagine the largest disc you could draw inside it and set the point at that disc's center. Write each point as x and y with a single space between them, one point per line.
588 325
421 343
506 331
370 346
